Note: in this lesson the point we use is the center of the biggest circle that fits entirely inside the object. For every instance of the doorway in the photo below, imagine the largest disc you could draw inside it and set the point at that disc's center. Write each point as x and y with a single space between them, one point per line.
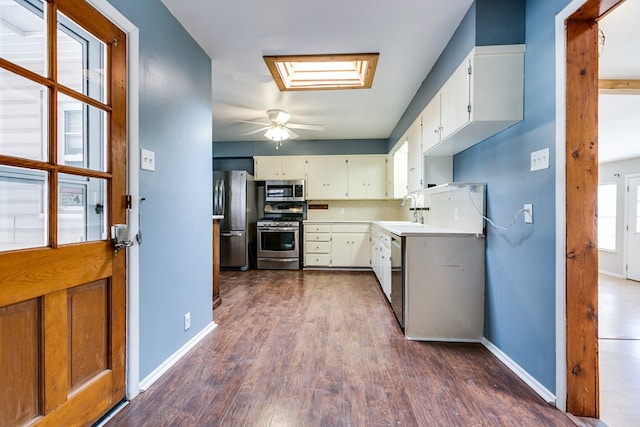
581 185
62 184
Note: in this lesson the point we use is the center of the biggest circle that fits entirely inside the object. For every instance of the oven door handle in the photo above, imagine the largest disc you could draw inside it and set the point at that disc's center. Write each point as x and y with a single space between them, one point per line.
278 229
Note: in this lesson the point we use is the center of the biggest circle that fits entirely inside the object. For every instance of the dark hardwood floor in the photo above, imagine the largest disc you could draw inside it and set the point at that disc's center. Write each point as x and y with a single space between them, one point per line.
320 348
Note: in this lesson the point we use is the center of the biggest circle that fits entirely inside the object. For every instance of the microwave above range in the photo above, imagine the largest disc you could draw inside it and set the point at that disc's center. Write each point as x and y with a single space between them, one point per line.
284 191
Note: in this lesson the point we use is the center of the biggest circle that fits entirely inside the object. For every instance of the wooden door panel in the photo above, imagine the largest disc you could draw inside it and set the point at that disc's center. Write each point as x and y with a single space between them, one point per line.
19 370
88 309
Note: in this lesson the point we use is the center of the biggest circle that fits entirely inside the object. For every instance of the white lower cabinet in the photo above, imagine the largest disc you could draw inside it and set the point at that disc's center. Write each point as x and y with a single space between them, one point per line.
381 259
336 244
350 245
317 245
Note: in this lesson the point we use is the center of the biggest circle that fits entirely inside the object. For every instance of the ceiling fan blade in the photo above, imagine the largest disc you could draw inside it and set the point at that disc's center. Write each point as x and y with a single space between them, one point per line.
253 123
292 134
305 127
257 130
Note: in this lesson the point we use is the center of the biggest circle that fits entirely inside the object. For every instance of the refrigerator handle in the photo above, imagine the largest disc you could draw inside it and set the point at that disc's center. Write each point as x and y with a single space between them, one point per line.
216 208
222 197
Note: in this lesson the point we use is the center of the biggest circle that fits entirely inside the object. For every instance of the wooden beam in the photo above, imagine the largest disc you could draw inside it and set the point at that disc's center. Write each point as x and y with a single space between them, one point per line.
581 245
622 87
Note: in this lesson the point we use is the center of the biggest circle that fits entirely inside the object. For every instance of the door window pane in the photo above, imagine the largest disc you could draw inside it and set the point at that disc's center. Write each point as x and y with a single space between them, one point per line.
81 209
81 60
81 134
607 216
23 35
23 208
23 124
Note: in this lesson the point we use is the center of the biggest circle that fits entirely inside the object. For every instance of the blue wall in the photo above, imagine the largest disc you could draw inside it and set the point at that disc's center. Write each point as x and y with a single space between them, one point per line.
175 122
520 263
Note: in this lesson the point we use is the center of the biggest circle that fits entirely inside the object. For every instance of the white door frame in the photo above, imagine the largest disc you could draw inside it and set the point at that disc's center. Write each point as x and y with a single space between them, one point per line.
132 380
627 222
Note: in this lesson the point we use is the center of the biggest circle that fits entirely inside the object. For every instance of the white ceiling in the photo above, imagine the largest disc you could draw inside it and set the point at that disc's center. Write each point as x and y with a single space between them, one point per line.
618 124
236 34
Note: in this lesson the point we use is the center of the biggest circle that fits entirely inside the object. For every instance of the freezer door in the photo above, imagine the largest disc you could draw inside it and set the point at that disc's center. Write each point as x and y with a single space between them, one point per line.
233 249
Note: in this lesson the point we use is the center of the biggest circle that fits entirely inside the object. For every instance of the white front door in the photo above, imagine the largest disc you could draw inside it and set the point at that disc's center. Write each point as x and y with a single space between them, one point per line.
633 229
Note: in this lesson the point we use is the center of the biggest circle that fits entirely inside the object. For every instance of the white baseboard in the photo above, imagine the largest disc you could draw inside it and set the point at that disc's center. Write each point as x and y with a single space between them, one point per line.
609 273
167 364
520 372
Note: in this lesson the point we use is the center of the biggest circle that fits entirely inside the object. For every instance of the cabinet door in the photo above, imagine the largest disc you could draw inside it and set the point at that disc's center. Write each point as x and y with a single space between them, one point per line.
360 250
454 101
400 171
341 249
293 168
431 124
316 184
336 178
267 168
385 262
414 157
357 179
376 178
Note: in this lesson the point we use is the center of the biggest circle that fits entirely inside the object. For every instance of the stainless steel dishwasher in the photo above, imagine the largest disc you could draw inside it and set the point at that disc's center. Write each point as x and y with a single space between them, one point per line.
397 278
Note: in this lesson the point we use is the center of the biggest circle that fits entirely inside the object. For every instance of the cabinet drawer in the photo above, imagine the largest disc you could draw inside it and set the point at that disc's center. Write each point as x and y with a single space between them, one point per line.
317 247
317 237
317 228
317 260
350 228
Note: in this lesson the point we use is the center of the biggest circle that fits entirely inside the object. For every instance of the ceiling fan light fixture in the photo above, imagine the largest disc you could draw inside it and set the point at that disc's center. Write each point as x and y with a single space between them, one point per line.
277 133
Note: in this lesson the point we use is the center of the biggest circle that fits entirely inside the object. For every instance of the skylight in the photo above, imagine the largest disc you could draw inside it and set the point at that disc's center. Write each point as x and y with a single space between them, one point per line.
323 72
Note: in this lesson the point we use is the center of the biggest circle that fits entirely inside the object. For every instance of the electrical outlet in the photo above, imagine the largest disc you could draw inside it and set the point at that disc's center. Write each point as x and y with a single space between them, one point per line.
528 213
187 321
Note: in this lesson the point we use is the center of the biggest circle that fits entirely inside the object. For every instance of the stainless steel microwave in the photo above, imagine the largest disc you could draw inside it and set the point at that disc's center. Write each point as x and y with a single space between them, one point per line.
284 191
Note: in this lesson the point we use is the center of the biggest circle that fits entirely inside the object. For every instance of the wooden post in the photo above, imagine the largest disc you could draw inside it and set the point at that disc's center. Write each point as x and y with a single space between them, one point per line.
581 199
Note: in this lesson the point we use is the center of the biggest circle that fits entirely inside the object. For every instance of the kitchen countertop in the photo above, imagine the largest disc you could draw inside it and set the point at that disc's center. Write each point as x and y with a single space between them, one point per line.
336 221
403 228
413 229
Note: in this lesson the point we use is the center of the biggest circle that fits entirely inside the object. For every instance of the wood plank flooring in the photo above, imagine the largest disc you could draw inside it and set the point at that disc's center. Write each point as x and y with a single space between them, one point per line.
619 341
322 348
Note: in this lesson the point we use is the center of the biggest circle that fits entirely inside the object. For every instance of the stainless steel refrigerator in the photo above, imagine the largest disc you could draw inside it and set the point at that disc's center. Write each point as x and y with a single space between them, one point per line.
234 197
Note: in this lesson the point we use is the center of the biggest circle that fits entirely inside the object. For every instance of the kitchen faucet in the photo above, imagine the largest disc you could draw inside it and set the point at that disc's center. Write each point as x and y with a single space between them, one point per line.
415 204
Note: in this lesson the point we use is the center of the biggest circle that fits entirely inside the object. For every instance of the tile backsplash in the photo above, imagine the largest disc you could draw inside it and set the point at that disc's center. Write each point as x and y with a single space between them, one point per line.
363 210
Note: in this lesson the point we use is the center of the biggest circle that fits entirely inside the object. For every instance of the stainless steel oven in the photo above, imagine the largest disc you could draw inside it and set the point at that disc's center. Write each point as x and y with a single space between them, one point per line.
278 245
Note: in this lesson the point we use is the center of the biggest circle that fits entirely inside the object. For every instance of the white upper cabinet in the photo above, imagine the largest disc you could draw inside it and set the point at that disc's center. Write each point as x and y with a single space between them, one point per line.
431 126
399 163
455 100
484 96
366 177
278 167
414 156
326 178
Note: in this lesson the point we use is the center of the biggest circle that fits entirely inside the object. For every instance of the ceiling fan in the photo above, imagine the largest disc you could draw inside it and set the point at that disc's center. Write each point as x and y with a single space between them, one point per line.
278 129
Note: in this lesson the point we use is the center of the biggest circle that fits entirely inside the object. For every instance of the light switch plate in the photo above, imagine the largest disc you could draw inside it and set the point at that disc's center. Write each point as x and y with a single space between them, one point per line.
147 160
528 213
540 159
